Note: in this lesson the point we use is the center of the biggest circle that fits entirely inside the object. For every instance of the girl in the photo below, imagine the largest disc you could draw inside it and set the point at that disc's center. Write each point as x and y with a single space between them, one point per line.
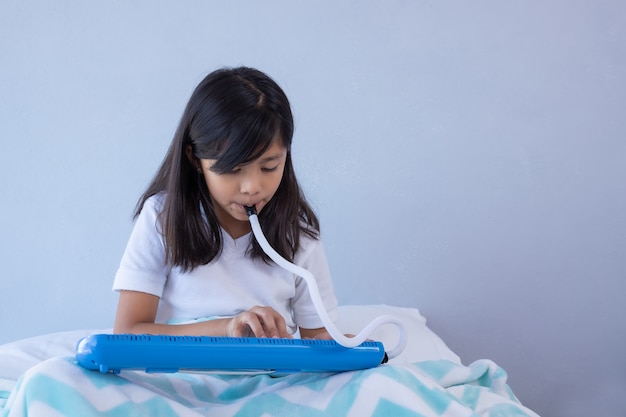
191 256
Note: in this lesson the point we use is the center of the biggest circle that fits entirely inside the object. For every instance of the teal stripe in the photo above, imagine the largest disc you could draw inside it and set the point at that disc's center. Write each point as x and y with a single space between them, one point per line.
506 410
387 409
345 398
64 398
161 383
437 369
471 395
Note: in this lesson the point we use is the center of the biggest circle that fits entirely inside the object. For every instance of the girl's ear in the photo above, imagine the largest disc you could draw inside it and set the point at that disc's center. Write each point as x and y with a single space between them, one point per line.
192 159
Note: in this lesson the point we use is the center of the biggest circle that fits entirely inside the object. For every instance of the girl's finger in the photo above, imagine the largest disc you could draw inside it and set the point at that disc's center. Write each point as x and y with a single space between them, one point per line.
247 324
273 323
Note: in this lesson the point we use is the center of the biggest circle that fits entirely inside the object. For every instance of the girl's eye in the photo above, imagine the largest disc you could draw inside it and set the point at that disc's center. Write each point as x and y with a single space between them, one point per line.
272 169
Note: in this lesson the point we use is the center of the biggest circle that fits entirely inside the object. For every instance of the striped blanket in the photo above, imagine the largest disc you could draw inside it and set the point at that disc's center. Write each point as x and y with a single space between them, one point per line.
59 387
39 377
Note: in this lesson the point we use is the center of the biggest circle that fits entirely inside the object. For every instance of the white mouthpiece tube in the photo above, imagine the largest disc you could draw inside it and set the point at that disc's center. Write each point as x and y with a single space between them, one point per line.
318 303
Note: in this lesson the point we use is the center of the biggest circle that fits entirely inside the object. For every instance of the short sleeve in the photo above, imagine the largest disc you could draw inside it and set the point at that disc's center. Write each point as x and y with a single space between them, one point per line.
143 267
313 258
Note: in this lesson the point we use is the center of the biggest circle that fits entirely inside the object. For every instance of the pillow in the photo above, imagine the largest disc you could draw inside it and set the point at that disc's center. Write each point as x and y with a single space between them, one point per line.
422 343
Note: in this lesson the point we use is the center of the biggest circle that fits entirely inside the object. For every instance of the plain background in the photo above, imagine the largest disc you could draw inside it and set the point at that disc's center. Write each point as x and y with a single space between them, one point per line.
466 158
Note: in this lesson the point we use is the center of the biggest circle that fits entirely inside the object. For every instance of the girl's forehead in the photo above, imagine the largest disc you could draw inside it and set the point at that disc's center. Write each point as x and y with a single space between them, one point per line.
263 147
275 151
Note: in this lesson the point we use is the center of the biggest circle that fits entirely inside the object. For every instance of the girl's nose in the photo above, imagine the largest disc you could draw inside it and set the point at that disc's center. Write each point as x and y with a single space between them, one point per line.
250 184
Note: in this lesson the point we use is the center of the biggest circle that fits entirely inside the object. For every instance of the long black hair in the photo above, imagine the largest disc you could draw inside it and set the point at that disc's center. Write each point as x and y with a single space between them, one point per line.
233 116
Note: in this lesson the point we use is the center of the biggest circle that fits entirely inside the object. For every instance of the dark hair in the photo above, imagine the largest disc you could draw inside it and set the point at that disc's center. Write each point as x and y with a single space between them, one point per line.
232 116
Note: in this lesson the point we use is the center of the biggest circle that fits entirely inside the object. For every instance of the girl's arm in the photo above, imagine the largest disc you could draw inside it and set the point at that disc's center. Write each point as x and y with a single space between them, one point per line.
136 313
320 333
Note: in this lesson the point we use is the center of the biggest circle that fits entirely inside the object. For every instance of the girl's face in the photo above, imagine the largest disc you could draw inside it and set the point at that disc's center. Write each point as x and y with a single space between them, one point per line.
250 184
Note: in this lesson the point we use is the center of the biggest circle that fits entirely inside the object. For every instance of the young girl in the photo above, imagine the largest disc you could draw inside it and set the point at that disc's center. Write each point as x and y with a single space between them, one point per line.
191 257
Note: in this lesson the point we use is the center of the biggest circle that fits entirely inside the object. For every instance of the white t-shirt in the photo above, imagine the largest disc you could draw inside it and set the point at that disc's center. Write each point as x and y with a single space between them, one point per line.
228 285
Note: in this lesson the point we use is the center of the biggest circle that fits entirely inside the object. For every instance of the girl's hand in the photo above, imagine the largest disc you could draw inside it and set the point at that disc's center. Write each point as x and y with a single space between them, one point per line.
258 322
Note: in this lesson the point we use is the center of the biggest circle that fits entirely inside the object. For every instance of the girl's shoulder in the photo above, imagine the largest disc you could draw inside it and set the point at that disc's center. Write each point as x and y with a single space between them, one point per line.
151 209
309 244
154 203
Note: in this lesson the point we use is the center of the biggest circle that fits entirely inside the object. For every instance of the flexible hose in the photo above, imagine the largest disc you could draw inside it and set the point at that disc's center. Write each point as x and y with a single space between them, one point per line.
317 299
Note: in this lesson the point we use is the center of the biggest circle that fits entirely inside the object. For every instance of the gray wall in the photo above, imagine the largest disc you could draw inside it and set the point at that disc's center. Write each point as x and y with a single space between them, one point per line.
466 158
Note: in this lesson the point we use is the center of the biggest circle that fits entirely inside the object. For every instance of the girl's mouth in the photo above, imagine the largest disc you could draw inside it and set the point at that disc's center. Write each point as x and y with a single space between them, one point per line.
242 207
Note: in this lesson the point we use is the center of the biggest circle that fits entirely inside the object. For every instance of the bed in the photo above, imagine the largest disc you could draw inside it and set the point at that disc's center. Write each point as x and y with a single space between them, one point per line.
39 377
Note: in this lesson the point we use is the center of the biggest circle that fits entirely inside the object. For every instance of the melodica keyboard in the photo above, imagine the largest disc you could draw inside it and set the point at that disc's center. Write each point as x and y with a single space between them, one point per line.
160 353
